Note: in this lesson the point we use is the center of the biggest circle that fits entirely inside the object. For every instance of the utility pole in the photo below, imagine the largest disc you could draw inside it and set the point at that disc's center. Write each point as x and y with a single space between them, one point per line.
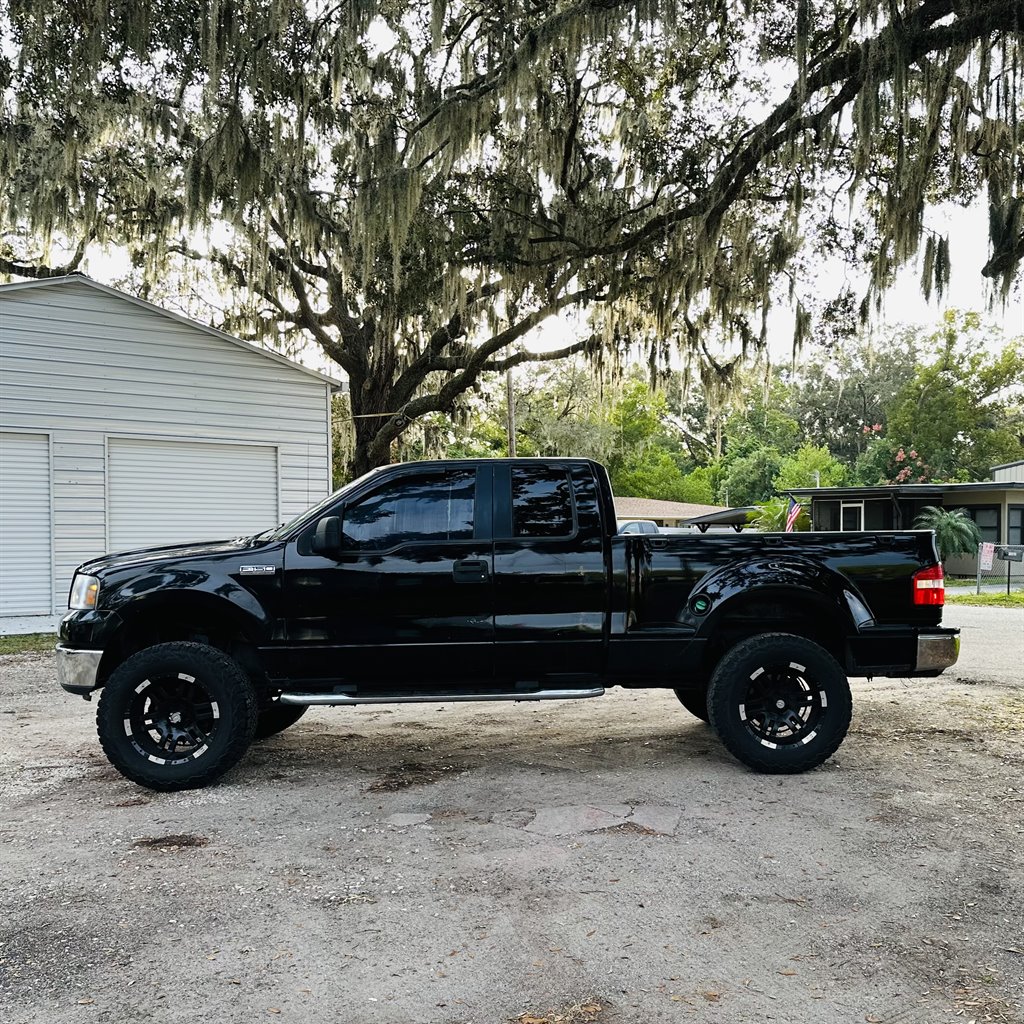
510 405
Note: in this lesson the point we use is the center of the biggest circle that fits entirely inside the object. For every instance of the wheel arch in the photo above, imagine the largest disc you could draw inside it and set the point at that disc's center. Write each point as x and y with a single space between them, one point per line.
779 596
189 615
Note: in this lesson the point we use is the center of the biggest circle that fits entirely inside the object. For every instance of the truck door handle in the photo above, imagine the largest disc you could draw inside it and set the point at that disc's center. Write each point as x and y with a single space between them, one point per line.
470 570
658 542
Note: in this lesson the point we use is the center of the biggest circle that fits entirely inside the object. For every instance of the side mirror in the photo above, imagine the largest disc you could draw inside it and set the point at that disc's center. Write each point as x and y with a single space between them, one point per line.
327 539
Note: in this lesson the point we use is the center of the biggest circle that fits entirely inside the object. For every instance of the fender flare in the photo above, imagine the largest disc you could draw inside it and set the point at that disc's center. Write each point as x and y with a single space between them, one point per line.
806 581
219 600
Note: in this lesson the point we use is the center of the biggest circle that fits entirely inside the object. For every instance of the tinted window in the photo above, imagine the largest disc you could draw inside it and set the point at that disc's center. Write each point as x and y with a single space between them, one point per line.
826 515
1016 534
434 508
541 502
987 520
878 515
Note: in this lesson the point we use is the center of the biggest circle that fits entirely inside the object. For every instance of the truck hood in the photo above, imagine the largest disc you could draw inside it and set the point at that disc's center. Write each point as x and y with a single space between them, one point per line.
143 556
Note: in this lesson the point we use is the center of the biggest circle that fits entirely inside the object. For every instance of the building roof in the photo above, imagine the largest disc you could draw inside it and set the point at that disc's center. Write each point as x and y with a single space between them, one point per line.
905 490
649 508
1008 465
81 279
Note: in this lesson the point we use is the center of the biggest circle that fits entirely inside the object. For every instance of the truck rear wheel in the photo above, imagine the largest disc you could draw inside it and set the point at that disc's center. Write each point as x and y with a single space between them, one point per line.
277 717
780 703
176 716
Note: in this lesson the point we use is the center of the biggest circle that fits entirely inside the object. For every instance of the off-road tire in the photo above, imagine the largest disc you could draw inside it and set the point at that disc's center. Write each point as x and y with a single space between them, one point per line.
780 703
189 690
695 701
276 717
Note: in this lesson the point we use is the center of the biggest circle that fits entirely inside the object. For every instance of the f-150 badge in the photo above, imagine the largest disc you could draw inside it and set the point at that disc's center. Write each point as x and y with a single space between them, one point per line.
257 570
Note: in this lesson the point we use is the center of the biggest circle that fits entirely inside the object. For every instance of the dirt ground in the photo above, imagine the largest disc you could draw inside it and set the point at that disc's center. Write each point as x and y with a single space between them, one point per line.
599 860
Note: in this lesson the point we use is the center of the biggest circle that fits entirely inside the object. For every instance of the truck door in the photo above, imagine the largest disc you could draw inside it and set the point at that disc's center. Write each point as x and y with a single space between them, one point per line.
408 601
550 587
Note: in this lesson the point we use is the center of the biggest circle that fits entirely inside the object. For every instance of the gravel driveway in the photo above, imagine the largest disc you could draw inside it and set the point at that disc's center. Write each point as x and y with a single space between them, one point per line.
597 860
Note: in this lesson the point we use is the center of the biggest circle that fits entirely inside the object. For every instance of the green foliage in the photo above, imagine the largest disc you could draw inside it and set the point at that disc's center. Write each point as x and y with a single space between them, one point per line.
649 473
762 421
810 466
770 516
842 397
962 412
955 532
749 480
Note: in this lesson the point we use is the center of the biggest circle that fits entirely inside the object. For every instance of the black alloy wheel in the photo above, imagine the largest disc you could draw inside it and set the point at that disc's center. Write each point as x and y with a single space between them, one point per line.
176 716
780 703
782 707
172 718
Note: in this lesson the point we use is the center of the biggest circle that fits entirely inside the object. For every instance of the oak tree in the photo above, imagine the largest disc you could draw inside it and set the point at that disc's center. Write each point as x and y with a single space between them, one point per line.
417 185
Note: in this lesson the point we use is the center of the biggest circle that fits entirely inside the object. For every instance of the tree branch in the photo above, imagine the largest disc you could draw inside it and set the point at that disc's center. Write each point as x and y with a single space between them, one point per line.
40 271
465 376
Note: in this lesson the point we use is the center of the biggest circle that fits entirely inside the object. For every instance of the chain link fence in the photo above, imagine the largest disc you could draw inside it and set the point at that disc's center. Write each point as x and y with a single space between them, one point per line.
1000 564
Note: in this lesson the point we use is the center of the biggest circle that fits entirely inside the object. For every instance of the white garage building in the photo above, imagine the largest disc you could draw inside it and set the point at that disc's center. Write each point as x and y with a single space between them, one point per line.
124 425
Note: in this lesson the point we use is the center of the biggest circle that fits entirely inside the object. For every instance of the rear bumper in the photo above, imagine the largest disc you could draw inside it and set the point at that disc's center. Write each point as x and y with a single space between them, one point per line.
902 651
936 652
77 671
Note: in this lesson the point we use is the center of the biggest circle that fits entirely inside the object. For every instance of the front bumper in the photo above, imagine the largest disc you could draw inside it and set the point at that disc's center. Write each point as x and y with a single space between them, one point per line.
77 670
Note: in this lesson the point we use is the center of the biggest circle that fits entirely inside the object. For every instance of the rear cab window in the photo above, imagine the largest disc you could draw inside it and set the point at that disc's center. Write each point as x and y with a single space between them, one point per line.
542 502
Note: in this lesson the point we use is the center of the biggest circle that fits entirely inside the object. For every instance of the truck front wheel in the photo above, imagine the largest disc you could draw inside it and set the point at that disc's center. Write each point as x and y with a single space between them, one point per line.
780 703
176 716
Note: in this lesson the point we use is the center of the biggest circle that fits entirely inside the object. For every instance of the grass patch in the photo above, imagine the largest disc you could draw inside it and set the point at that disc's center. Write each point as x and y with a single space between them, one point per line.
1015 599
23 643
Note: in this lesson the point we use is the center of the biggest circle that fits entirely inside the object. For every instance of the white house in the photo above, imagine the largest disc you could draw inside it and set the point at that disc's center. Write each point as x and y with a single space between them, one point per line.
124 425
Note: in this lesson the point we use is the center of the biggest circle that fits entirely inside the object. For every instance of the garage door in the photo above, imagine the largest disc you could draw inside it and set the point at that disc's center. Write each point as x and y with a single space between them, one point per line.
169 492
26 573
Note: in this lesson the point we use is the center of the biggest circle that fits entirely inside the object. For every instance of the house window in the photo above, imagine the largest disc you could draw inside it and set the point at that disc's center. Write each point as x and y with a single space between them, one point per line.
986 517
878 515
852 516
826 515
1015 533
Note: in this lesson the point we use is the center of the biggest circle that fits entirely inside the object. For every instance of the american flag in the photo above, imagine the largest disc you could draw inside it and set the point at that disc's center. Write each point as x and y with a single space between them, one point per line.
792 514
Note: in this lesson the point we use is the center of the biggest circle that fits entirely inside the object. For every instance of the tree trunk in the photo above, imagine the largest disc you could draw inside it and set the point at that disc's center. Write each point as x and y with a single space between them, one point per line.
372 400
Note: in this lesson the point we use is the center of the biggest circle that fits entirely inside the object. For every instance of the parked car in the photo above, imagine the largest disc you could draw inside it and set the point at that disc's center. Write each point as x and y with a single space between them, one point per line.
491 580
638 526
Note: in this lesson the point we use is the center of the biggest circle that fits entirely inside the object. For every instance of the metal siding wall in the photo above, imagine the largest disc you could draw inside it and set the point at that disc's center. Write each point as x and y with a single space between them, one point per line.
82 365
170 492
26 555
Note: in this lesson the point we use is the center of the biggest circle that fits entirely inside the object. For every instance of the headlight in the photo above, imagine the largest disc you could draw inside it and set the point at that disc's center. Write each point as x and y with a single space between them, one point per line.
84 592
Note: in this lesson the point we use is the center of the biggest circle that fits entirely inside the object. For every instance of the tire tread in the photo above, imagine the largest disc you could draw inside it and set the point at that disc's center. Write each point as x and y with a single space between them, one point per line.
240 693
769 763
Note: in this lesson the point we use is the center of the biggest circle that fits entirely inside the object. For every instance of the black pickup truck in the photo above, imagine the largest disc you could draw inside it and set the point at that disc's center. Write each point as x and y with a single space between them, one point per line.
491 580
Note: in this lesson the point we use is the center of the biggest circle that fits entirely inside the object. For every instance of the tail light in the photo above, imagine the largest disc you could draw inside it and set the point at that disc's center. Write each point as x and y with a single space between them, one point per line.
930 586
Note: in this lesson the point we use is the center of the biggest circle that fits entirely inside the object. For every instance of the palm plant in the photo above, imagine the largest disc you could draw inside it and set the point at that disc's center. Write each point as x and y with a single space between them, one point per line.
956 532
770 516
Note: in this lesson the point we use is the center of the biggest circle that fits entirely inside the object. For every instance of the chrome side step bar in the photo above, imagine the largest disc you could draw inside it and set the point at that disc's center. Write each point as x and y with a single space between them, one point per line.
313 699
